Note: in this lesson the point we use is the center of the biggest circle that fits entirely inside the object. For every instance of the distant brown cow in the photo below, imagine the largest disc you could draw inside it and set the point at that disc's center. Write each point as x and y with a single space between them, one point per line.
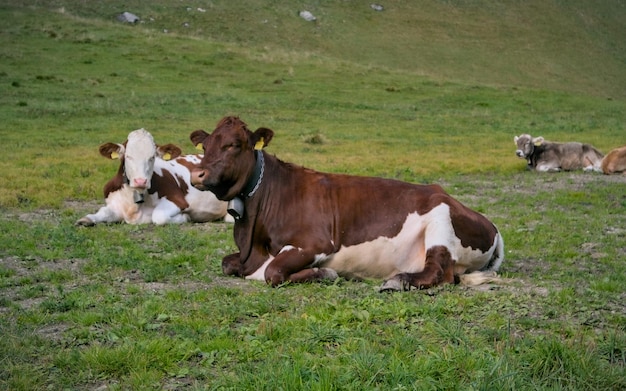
546 156
615 161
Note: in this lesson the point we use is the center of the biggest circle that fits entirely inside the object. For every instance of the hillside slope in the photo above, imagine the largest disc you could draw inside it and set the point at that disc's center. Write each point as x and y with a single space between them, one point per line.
570 46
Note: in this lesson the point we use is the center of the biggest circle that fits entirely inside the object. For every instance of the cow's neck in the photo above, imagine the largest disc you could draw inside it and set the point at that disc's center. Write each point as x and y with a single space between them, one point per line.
236 205
137 195
257 177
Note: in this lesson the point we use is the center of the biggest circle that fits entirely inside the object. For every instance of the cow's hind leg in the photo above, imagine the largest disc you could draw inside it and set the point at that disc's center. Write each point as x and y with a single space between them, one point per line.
438 269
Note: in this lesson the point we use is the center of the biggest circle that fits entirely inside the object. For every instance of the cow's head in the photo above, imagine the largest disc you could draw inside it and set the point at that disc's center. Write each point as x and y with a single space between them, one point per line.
229 157
526 145
137 156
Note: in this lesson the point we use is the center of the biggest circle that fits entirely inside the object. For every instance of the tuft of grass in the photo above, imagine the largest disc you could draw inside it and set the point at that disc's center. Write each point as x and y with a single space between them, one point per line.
315 139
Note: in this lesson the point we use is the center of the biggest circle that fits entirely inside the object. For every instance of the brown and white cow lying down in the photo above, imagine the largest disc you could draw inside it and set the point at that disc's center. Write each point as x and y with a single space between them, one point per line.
546 156
151 188
298 225
615 161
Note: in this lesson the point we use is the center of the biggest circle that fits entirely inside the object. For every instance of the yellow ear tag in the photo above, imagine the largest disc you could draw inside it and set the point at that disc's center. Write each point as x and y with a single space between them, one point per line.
538 143
115 155
259 144
167 156
199 146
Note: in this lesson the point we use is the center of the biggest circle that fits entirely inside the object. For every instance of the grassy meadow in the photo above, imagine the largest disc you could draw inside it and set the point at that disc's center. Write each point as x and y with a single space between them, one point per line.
425 91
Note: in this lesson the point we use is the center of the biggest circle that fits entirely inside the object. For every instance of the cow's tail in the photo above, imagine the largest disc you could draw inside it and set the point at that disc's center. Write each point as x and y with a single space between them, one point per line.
479 277
488 273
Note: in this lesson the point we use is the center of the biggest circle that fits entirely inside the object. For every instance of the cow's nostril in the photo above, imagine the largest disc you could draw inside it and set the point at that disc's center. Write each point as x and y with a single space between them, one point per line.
197 177
140 182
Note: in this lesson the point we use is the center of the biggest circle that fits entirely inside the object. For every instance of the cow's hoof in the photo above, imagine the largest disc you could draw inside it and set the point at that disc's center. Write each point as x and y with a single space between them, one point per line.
394 285
84 222
328 274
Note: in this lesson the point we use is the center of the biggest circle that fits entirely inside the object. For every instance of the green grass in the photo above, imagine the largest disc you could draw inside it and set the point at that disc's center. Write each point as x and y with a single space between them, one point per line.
572 46
437 97
102 80
136 314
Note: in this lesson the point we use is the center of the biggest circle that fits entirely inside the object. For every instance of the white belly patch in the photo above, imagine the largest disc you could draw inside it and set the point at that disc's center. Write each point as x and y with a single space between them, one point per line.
406 252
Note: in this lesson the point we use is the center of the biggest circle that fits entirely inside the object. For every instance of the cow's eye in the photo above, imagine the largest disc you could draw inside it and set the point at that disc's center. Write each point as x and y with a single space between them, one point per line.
231 146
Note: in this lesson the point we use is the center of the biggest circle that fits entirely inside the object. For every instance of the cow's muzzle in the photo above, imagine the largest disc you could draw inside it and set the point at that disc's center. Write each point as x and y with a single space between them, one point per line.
197 178
520 153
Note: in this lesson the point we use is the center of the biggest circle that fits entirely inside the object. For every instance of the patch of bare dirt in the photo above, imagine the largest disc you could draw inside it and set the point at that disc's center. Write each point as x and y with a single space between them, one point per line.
135 278
28 268
53 332
530 183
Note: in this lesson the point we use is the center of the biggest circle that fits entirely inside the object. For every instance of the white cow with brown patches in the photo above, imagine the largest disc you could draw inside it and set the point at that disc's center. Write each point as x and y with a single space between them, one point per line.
153 185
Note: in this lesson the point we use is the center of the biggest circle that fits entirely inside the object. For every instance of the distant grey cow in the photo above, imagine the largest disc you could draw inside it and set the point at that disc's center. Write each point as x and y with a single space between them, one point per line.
546 156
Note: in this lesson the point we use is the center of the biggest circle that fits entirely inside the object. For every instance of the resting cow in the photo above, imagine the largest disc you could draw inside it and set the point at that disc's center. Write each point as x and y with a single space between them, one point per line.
546 156
615 161
151 188
295 224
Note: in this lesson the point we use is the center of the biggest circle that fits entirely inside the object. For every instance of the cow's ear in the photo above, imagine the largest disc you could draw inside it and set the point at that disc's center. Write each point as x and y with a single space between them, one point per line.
112 150
261 138
168 151
515 139
537 141
197 138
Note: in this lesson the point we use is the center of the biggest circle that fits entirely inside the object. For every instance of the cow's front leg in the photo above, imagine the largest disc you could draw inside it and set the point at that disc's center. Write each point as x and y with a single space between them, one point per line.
291 265
314 274
231 265
548 168
438 269
104 215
